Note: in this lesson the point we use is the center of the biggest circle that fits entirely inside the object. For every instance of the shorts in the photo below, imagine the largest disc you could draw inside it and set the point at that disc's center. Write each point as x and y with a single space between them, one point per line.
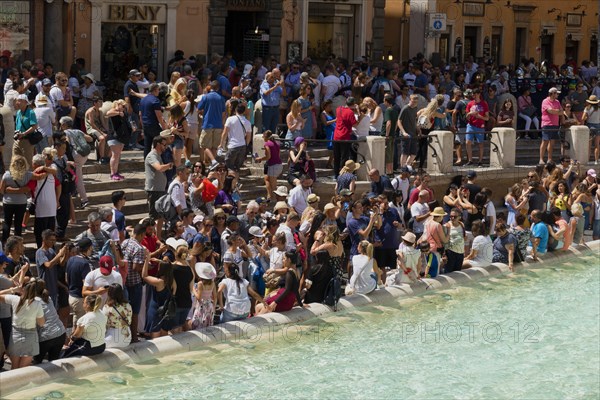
477 137
459 136
134 295
409 146
234 159
178 142
152 199
210 138
62 111
550 132
76 304
193 135
114 142
274 170
181 316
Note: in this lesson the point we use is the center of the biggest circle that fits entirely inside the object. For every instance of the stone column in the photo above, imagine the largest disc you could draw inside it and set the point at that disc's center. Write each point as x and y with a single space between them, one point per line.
502 147
440 156
378 29
217 14
578 137
54 40
96 39
258 143
373 150
275 18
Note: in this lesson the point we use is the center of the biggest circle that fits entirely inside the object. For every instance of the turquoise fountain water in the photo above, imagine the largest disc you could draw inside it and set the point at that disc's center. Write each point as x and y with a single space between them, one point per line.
531 335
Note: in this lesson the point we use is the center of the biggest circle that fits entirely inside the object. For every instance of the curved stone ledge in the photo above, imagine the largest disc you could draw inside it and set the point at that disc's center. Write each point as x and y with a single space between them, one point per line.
253 329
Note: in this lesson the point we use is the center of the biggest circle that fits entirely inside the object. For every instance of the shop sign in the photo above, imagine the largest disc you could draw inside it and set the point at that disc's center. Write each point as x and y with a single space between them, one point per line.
246 5
134 13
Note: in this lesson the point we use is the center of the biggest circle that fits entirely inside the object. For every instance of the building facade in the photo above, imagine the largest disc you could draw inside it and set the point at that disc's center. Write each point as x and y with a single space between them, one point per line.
504 30
114 36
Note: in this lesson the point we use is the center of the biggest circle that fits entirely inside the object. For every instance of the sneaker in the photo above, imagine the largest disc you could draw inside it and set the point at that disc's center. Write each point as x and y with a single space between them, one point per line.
121 177
84 204
138 147
480 164
115 177
468 163
104 160
596 162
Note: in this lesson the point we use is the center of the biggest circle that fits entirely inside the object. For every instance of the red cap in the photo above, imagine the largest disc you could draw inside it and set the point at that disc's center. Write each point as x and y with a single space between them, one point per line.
106 265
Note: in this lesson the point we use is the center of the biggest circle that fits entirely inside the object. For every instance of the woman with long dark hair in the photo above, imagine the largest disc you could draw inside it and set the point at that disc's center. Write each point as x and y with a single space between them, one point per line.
52 334
235 289
190 111
284 298
225 198
162 287
118 314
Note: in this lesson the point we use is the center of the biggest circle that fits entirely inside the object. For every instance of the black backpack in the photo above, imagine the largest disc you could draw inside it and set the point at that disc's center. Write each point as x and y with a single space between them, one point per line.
333 292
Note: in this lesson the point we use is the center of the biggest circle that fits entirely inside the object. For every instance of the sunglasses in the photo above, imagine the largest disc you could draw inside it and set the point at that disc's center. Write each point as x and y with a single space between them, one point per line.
453 216
220 218
208 225
531 176
198 166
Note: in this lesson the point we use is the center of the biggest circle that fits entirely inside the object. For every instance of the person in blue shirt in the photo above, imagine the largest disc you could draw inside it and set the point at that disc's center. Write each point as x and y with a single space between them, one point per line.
118 200
271 91
151 117
539 235
212 107
387 235
379 183
360 226
223 79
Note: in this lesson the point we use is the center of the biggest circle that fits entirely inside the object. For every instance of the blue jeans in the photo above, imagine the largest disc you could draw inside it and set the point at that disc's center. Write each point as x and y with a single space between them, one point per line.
227 316
270 116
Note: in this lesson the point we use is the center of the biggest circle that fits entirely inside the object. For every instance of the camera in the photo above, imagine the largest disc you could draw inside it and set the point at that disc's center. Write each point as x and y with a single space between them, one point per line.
16 136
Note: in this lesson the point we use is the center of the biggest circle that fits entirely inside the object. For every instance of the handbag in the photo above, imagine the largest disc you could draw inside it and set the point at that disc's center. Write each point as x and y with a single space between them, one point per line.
34 137
31 204
271 281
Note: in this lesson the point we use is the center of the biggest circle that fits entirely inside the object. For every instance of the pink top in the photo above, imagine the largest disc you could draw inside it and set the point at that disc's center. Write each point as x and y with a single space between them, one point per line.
275 155
432 235
547 118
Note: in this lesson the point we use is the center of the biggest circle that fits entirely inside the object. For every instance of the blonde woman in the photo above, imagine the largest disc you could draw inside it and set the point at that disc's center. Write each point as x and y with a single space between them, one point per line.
294 121
591 117
576 224
376 116
434 114
174 77
88 336
365 274
15 192
118 136
178 93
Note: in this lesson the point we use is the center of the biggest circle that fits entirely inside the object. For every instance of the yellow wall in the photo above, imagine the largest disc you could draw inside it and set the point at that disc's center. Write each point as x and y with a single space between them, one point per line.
497 14
395 11
192 27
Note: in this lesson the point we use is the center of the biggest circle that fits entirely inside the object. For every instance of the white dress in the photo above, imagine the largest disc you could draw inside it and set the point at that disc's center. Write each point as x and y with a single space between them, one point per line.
363 278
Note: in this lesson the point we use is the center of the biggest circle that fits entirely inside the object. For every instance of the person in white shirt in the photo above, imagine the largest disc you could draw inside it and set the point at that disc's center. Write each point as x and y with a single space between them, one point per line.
291 223
235 138
331 83
420 212
97 281
177 190
299 195
490 210
402 182
108 224
409 78
365 272
45 196
482 249
46 118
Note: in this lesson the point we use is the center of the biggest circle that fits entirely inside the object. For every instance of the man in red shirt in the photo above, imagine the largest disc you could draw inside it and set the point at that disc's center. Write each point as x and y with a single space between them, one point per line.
345 120
477 114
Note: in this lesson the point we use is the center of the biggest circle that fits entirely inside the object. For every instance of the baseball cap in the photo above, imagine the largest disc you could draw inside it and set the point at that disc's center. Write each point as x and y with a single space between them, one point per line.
197 219
231 219
106 265
553 90
3 258
261 200
591 172
471 174
46 82
256 231
134 72
23 97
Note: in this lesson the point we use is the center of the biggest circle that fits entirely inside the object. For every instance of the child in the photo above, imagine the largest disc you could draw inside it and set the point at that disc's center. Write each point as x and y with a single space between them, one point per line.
429 261
408 262
205 293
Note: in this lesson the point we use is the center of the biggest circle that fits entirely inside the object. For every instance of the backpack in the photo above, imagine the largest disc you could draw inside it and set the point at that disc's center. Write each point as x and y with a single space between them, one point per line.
333 292
80 145
168 310
164 206
424 122
210 191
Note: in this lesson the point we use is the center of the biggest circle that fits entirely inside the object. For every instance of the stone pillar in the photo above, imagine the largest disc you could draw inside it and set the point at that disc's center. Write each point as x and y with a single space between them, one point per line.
9 129
275 18
217 14
578 137
54 40
378 29
373 150
442 143
96 39
502 147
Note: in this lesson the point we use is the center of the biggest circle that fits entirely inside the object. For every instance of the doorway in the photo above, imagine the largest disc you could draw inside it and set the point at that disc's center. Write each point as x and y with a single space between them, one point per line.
245 34
572 49
547 47
520 45
472 36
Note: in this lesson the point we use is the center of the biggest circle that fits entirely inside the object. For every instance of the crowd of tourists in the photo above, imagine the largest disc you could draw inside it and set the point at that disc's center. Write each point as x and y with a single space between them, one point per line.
205 254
